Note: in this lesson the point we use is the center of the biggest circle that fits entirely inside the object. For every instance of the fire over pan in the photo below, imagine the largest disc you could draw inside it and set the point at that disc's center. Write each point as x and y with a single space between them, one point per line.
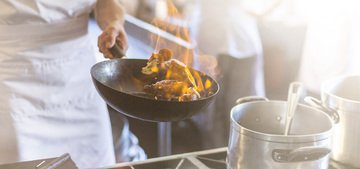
120 83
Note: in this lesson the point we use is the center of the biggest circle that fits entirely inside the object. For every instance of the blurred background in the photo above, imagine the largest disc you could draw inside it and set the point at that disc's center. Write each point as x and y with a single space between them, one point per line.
293 40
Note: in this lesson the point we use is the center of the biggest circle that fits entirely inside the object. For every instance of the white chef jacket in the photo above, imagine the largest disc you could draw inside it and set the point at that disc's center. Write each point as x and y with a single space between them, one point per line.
48 104
332 44
221 28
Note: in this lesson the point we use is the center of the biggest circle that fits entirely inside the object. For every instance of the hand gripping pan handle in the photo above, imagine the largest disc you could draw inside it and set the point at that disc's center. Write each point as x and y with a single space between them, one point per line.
117 52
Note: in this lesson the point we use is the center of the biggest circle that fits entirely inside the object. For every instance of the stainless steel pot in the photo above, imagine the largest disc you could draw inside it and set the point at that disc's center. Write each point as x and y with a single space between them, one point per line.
257 139
342 94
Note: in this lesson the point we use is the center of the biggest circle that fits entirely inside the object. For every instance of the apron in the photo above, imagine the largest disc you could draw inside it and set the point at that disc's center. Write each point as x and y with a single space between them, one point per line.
48 104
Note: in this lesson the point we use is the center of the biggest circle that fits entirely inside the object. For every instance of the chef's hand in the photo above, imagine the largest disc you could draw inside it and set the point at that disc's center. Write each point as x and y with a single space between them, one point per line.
113 33
110 14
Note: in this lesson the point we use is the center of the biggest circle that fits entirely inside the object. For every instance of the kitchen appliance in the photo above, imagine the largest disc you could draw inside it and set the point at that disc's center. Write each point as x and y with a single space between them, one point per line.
257 139
62 162
342 94
206 159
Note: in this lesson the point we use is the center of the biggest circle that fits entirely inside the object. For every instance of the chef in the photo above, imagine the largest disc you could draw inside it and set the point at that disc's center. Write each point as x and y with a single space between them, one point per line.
48 104
222 29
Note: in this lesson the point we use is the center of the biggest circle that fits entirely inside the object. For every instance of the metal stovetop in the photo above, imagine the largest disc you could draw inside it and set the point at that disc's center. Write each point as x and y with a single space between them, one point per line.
208 159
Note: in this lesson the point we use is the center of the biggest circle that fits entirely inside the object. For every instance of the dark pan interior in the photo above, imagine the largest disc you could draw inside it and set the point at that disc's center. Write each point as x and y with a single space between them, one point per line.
122 75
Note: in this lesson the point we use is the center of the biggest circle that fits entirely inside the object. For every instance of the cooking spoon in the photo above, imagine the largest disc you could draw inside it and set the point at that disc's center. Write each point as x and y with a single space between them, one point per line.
292 102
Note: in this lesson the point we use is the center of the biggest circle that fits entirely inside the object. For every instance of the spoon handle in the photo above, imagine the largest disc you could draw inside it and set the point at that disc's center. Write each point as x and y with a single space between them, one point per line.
294 92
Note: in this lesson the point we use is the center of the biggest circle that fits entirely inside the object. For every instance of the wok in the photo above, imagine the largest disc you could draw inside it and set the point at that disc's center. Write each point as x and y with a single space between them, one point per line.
120 83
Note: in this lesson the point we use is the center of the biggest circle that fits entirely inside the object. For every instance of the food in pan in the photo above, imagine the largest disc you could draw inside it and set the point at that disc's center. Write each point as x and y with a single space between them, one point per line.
174 80
172 90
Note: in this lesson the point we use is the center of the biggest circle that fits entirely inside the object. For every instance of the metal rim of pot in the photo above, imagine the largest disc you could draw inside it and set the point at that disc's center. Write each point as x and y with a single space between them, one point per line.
349 104
278 137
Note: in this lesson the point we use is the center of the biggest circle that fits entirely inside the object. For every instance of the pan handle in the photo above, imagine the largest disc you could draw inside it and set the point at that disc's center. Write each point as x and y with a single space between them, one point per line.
310 153
117 52
251 99
317 104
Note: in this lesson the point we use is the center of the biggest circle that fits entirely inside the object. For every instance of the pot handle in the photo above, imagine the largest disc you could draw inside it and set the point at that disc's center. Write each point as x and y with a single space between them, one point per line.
251 99
302 154
317 104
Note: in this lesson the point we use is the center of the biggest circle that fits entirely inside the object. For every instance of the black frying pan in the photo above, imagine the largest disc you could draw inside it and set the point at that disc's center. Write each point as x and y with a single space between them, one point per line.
120 83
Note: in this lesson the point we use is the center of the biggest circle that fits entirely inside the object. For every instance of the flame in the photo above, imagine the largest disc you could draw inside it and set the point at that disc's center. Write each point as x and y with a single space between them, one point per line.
208 84
172 24
183 52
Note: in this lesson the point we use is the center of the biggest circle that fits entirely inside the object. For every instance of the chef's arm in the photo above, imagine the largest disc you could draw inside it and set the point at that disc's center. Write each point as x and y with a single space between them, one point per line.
109 15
